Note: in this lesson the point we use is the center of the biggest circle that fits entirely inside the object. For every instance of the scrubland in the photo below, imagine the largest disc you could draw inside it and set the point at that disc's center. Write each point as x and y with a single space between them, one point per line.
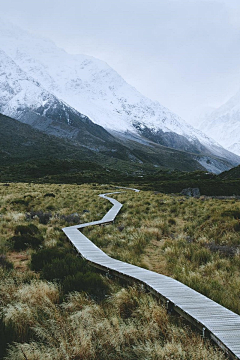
53 305
196 241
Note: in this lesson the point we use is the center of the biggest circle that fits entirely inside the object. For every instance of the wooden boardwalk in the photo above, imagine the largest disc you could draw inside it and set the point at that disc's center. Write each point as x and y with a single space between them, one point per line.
215 321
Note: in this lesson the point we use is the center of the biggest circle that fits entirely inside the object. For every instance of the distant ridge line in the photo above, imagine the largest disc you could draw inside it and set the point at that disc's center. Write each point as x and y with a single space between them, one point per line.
213 320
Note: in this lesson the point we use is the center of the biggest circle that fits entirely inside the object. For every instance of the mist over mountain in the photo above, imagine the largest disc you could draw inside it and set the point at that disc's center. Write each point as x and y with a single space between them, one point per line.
62 94
223 124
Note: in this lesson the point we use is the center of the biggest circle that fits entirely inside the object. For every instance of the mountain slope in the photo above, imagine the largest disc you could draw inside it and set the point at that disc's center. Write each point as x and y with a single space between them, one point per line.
93 88
232 174
223 124
20 143
24 99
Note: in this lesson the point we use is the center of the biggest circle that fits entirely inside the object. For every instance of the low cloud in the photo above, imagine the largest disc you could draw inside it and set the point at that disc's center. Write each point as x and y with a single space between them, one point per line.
184 53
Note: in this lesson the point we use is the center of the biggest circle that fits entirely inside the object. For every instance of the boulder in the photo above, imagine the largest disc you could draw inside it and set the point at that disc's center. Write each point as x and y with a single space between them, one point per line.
194 192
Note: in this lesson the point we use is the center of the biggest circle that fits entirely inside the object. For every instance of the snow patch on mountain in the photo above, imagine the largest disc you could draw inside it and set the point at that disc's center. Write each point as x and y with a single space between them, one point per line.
24 99
18 90
90 86
223 124
235 148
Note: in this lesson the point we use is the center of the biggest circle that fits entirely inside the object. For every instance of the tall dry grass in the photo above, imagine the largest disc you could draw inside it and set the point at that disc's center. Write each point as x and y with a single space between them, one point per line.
40 324
129 325
196 241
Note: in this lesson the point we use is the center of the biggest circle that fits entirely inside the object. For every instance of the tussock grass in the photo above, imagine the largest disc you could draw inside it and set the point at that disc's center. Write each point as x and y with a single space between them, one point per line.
196 241
129 325
39 322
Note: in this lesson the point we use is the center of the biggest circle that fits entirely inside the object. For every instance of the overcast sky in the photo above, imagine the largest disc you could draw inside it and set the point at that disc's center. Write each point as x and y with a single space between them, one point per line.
183 53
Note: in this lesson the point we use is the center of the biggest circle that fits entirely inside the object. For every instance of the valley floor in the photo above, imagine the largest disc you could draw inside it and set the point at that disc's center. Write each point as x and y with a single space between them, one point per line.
50 316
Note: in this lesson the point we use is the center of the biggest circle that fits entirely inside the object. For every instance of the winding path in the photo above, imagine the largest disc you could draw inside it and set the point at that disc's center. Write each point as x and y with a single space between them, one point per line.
215 321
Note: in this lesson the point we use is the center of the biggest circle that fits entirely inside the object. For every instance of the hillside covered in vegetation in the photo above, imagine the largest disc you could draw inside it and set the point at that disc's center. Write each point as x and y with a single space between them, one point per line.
54 306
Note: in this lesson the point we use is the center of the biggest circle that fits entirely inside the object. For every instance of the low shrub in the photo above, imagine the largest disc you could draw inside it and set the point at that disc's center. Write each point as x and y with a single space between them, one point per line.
26 241
70 271
26 236
236 226
59 268
50 195
5 263
30 229
171 221
46 256
89 282
231 213
20 202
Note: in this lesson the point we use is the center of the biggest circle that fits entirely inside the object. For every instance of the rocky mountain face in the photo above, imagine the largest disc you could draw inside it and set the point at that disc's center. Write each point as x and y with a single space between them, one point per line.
23 98
40 81
21 143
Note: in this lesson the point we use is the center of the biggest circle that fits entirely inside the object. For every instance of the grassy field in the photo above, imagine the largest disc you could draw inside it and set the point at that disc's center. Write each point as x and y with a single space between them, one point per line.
196 241
54 306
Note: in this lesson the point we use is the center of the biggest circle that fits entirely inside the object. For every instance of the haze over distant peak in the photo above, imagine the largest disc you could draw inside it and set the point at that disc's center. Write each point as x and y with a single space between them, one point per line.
223 124
96 90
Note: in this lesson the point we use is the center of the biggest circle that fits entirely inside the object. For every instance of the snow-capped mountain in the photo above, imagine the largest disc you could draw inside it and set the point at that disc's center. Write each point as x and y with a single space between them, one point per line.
223 124
24 99
20 91
94 89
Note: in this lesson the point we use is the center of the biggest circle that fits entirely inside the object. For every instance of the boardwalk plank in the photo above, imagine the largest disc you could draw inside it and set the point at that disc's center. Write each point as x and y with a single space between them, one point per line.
222 324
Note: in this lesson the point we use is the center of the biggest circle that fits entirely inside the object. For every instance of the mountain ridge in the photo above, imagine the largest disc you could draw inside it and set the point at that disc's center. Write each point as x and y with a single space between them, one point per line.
90 87
20 142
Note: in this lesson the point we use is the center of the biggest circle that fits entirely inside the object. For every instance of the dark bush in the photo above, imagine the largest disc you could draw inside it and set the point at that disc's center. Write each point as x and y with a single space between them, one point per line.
58 269
50 195
26 236
46 256
236 226
30 229
88 282
22 242
20 202
4 263
172 221
72 272
232 213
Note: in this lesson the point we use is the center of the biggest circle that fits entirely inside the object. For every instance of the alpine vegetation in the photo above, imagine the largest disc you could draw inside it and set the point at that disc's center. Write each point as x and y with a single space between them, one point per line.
54 306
